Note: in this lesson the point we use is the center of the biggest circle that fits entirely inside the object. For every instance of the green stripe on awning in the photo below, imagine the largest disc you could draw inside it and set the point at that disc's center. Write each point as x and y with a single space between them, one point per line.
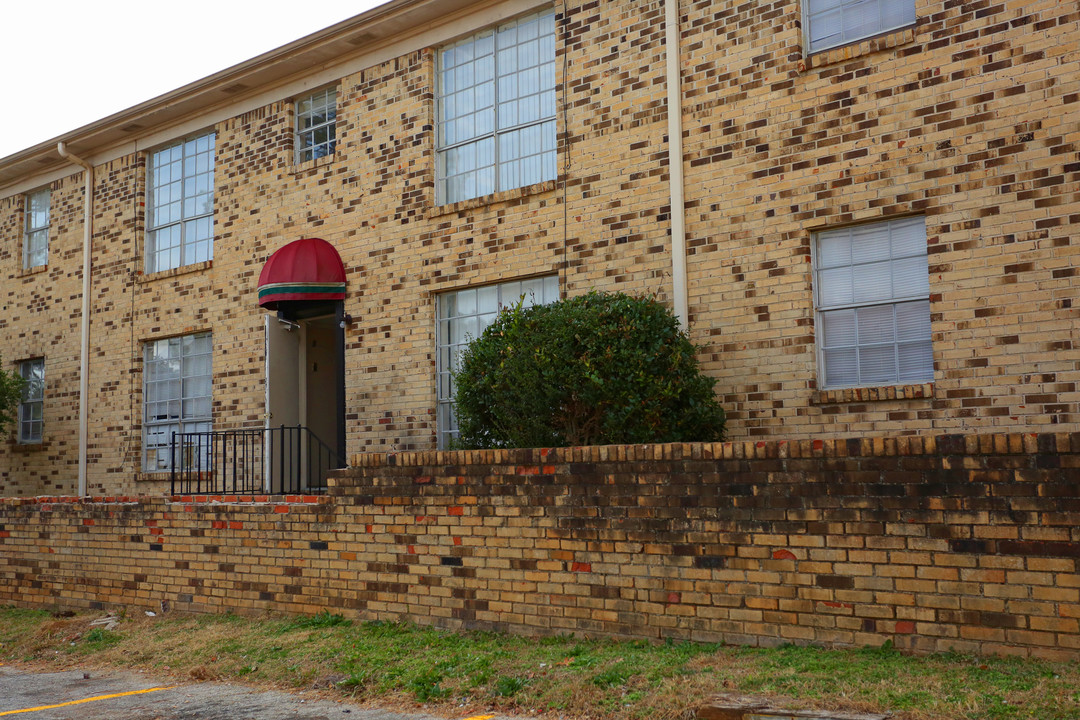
294 289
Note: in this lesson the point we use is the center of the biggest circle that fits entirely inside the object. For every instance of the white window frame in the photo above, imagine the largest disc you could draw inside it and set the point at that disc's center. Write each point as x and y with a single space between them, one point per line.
187 212
306 147
510 153
176 394
912 297
848 5
32 404
472 318
36 236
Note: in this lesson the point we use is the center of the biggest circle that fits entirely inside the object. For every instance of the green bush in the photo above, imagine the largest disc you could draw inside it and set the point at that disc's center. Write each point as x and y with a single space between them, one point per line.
11 389
598 369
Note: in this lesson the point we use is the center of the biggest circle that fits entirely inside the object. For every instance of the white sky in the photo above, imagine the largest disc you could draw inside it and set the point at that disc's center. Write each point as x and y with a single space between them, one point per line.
70 62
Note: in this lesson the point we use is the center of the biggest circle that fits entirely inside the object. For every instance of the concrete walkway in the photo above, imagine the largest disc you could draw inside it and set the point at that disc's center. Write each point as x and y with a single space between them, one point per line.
28 695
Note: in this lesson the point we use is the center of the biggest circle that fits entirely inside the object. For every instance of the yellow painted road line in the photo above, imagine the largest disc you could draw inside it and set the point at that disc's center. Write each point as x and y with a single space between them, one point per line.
480 717
86 700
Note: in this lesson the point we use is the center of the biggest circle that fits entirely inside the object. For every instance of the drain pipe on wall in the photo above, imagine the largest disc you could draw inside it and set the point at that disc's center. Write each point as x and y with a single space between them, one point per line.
675 162
84 352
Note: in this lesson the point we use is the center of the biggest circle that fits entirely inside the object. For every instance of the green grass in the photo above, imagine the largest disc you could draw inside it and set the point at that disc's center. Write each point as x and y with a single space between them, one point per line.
396 663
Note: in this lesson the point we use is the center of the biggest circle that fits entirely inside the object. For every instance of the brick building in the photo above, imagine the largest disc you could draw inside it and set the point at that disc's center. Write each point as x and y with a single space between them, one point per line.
872 228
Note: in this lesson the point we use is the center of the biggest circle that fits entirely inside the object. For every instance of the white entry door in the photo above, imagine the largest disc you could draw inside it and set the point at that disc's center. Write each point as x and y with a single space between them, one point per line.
284 350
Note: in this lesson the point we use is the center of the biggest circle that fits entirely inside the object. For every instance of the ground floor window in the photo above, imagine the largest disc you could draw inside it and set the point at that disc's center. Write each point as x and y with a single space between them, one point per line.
872 290
32 405
176 395
462 316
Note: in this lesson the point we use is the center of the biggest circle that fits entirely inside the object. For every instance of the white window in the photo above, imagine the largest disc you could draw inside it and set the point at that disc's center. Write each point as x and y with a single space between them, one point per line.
36 229
176 394
180 204
463 316
838 22
872 290
31 408
315 120
496 109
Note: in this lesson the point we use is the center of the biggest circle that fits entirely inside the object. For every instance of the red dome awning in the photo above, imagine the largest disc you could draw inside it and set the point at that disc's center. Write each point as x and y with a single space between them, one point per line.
308 269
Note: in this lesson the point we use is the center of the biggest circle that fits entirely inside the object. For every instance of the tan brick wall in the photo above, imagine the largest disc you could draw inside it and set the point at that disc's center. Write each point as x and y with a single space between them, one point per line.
970 119
40 318
936 543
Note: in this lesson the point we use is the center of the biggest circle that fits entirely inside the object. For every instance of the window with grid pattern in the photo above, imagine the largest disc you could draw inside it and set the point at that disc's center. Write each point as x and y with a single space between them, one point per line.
32 406
463 316
316 117
180 204
496 109
831 23
176 394
36 229
872 290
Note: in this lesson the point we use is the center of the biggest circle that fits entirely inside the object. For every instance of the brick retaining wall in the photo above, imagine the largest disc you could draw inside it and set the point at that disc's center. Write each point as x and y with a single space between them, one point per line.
954 542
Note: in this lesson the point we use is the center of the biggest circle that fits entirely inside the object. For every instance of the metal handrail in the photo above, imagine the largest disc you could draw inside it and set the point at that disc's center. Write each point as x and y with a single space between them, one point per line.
285 459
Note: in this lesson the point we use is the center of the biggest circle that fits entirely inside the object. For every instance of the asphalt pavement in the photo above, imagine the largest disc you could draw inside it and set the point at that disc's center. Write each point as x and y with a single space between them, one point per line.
90 695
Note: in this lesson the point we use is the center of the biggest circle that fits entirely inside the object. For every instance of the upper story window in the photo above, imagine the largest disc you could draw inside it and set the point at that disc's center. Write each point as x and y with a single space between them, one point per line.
872 292
316 116
180 204
36 229
463 316
831 23
496 109
32 405
176 396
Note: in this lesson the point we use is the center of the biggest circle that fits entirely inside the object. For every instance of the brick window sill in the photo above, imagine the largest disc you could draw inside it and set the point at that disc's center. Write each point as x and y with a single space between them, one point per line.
492 199
308 167
182 270
29 448
866 46
924 391
26 272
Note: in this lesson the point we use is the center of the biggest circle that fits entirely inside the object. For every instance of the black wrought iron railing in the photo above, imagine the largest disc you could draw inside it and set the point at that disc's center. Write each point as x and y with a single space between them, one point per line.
285 459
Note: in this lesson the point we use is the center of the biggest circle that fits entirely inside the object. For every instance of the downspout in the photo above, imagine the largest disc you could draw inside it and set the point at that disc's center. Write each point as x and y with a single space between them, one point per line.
675 162
84 353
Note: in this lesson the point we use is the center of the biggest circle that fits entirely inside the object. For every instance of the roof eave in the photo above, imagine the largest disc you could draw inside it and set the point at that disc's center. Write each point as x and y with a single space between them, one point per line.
350 36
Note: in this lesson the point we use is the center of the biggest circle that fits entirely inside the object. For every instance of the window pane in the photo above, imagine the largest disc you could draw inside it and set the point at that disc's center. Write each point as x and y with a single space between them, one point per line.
467 302
869 243
875 325
913 321
840 368
37 209
910 277
533 290
877 365
838 328
872 282
835 287
916 362
488 298
551 288
908 237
